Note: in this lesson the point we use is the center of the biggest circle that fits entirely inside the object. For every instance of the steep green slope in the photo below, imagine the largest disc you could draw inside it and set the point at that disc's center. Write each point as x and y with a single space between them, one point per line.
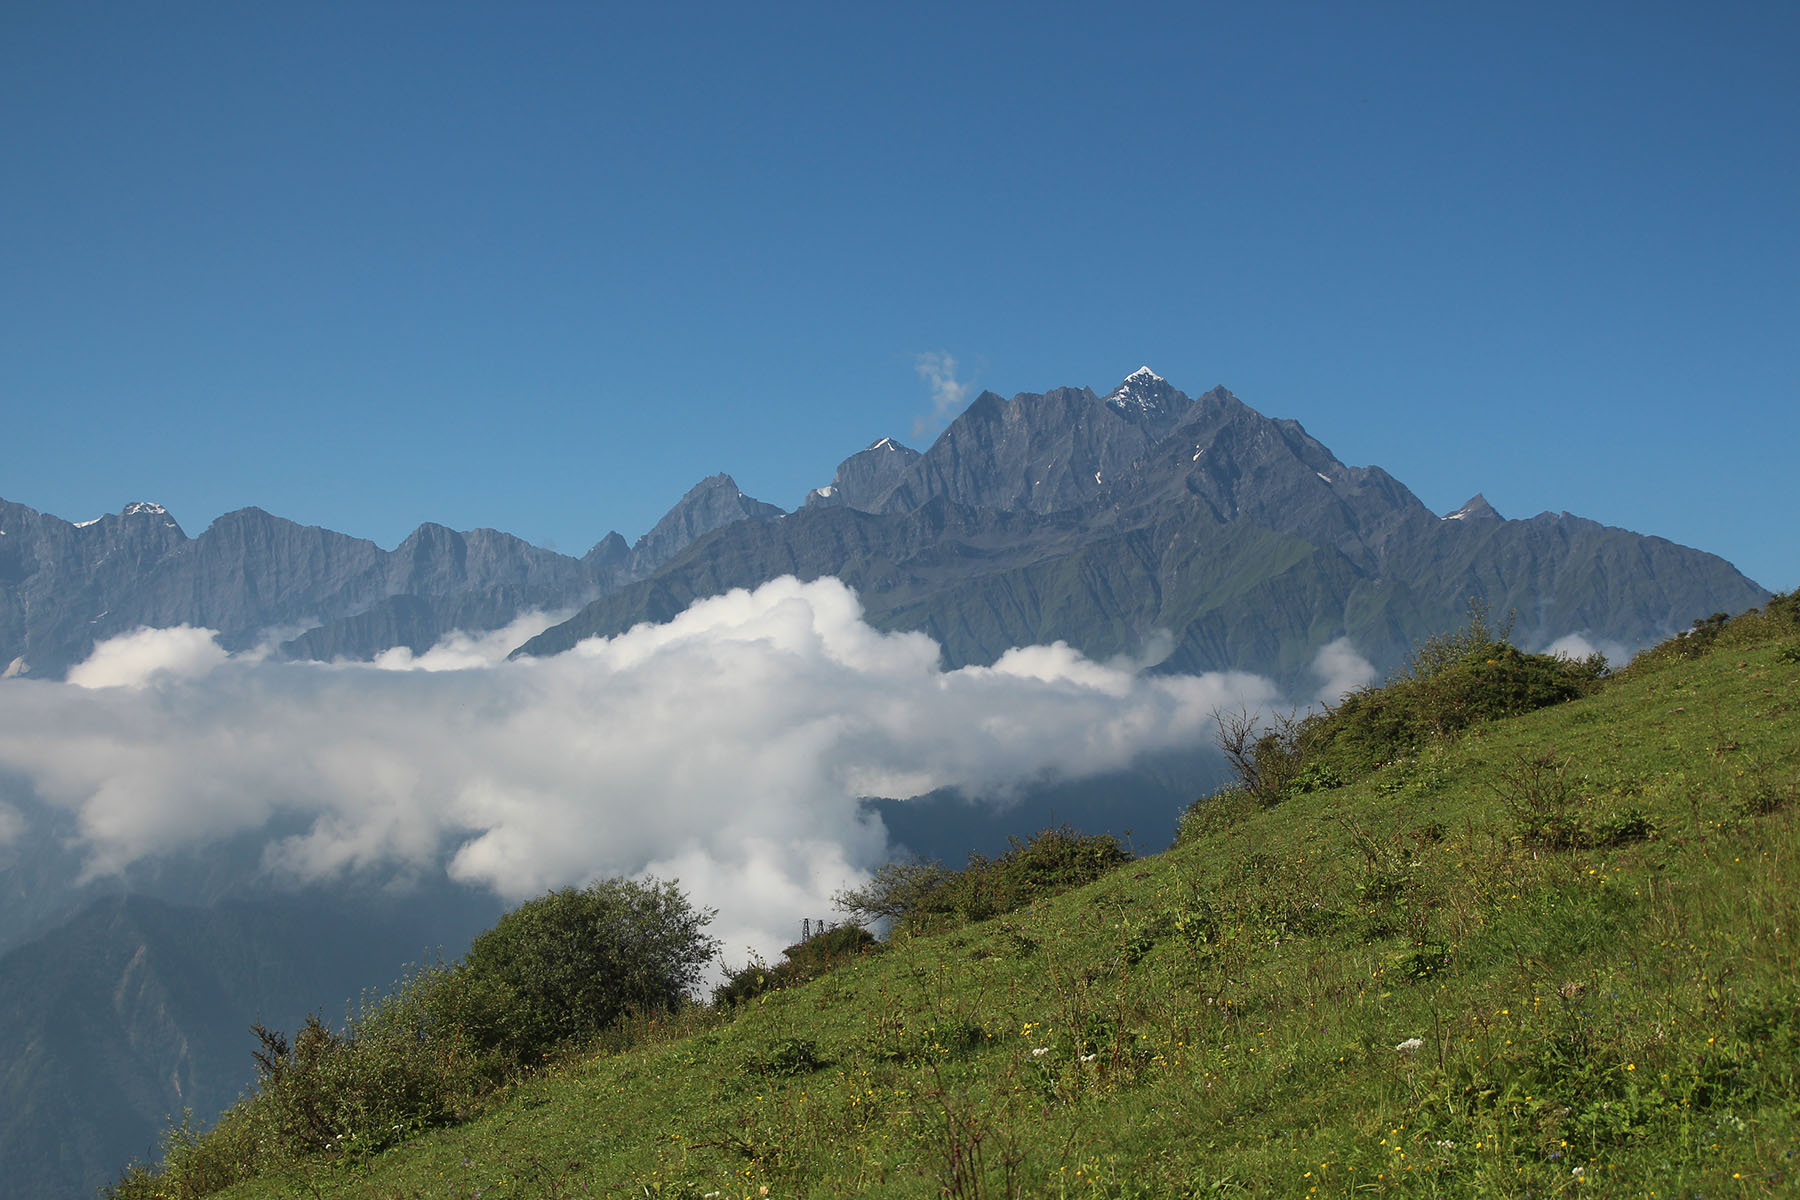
1558 955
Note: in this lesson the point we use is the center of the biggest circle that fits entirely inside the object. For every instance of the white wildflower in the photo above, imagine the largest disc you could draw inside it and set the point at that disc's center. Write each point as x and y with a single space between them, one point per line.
1410 1046
1039 1051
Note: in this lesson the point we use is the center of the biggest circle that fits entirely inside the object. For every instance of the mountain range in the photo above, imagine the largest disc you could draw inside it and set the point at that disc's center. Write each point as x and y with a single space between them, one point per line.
1193 533
1096 520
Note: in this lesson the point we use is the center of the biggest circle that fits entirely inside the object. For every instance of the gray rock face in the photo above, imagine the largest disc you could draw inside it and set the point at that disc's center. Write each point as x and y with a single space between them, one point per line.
866 476
1034 453
711 504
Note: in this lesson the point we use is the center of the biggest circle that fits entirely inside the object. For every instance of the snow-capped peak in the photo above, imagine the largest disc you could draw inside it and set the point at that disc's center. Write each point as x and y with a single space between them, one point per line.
144 506
886 443
1143 390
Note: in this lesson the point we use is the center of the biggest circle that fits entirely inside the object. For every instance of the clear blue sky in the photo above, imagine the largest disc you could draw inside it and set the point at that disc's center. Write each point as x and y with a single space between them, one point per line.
541 267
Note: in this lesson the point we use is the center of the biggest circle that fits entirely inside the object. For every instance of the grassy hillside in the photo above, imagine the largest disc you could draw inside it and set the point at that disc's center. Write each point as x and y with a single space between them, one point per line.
1551 955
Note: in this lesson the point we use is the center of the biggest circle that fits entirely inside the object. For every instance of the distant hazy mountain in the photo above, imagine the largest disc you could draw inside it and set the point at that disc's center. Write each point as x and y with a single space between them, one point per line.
134 1010
1100 520
251 576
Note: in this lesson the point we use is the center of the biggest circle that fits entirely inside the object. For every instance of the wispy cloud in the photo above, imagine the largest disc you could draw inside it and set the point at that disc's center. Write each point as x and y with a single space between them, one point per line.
728 747
948 394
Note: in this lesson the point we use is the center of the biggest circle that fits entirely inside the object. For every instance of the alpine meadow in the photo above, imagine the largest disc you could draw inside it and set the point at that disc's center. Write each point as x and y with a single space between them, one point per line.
1507 925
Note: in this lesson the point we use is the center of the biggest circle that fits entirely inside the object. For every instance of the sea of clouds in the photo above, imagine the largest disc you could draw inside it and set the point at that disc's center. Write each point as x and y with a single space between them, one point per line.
728 748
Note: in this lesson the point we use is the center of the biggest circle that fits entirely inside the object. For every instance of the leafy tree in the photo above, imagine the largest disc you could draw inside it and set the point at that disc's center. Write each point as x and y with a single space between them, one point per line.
577 960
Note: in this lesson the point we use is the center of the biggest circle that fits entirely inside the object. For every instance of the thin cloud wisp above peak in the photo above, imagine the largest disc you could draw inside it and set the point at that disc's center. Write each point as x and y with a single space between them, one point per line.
948 393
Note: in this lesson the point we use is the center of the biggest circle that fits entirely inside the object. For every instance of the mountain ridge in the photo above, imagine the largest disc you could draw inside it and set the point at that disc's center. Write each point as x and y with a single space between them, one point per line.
1154 490
1080 477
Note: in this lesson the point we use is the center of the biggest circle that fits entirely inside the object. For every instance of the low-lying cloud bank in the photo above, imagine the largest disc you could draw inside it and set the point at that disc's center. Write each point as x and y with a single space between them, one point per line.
728 747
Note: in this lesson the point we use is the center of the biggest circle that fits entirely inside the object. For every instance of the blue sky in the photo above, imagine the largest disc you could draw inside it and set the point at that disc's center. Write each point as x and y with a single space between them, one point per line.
542 267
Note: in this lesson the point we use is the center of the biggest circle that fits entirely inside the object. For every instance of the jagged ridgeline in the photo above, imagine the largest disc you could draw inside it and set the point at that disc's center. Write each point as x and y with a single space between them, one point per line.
1507 925
1099 520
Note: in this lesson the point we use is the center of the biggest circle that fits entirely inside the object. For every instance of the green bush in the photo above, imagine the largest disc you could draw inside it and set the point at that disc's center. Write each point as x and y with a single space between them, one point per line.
1439 698
423 1055
801 962
1777 620
1453 680
1214 813
920 896
575 961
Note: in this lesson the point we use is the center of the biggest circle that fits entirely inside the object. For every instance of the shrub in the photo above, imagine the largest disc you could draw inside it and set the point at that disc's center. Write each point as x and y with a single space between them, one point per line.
787 1058
1778 619
919 896
1264 752
1439 698
801 962
424 1055
1452 681
1214 813
575 961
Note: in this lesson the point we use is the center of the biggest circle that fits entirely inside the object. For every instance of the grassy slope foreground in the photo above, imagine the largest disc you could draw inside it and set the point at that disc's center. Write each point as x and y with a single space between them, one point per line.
1556 955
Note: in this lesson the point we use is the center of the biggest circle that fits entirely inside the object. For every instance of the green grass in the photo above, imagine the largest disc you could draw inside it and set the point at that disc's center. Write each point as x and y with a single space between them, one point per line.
1611 1013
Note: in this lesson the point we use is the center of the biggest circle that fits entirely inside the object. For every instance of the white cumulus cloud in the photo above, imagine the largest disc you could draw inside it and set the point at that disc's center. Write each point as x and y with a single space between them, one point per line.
728 747
137 658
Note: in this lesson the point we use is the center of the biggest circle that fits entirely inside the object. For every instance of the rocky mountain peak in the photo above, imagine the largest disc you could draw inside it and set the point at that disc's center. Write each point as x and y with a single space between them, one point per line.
142 514
1144 393
714 502
1476 508
863 479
